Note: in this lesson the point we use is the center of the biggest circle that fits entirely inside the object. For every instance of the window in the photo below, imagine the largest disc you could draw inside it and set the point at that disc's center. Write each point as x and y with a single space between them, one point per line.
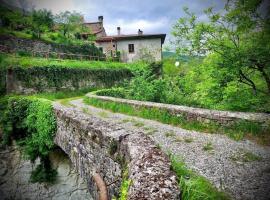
131 48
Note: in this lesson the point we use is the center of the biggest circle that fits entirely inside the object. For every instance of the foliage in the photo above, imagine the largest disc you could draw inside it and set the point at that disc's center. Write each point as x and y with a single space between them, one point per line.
124 186
193 186
70 23
64 94
112 92
43 173
239 39
236 131
42 20
7 60
32 123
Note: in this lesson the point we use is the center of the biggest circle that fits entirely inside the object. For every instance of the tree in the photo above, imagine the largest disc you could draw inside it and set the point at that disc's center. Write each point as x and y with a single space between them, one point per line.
42 20
69 23
240 36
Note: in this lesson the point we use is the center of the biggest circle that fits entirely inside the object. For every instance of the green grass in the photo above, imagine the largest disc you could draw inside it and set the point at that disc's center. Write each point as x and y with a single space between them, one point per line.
24 61
63 94
193 186
66 102
236 131
208 147
124 186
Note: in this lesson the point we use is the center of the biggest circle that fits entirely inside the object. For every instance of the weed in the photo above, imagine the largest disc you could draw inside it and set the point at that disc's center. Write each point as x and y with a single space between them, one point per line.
124 186
126 120
103 114
138 124
178 139
193 186
151 131
86 111
113 147
208 147
170 134
188 140
245 156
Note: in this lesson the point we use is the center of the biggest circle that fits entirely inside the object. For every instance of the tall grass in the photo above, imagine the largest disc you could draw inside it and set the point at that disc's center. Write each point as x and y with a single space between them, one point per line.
193 186
24 61
236 131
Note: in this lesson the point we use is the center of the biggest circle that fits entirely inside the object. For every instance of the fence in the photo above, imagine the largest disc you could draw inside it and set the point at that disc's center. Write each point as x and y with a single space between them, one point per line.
60 56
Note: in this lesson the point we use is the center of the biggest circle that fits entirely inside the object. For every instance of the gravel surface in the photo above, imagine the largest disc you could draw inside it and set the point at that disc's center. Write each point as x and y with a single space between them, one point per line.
242 168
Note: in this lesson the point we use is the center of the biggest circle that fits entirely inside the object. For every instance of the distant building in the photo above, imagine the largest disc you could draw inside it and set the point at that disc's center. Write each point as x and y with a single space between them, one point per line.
132 47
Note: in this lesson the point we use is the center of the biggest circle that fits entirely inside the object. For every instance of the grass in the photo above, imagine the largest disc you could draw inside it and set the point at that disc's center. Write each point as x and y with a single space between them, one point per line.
63 94
178 139
66 102
170 134
245 156
103 114
208 147
150 130
188 140
26 62
236 131
193 186
86 111
124 186
138 124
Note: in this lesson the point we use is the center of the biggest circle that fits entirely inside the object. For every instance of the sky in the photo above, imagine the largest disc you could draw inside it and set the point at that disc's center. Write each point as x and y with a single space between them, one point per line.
151 16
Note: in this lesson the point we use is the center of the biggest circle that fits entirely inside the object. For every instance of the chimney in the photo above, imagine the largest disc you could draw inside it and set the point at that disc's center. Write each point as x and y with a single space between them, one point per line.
118 30
140 32
100 19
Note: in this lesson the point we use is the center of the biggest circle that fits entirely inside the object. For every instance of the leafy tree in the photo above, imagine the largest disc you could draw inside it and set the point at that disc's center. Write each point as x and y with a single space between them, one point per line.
70 23
240 36
42 20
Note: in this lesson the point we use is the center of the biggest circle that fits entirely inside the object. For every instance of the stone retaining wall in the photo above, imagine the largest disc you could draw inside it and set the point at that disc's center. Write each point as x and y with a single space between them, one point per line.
15 44
96 146
21 80
199 114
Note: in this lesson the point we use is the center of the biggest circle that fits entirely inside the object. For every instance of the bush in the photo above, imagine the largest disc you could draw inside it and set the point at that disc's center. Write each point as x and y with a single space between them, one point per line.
31 122
113 92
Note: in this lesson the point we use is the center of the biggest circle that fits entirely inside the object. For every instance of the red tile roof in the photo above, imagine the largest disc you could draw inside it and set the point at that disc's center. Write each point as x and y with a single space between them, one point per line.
131 36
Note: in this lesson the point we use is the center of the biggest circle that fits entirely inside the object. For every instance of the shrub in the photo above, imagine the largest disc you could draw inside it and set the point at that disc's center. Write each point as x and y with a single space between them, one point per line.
31 122
113 92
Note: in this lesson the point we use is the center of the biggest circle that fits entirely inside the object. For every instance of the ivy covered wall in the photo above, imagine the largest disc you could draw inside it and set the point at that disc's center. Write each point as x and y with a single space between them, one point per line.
50 79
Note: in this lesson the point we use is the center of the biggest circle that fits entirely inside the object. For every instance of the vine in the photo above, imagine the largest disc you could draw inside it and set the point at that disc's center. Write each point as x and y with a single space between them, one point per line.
31 122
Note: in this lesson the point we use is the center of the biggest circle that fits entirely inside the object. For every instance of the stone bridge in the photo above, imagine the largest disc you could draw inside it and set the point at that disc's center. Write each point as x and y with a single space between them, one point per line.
102 152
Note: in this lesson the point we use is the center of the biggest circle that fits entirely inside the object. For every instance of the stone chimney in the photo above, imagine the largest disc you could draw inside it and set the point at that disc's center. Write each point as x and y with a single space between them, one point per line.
118 30
100 19
140 32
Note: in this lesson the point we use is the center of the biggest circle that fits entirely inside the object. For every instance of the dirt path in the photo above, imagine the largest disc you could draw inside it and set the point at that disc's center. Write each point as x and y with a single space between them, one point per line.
240 168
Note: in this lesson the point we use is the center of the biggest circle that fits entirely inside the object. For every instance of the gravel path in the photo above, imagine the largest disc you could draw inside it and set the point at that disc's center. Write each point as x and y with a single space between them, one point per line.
241 168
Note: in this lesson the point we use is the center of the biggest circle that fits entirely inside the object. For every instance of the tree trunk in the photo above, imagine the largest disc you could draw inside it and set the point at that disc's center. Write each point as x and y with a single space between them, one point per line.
266 78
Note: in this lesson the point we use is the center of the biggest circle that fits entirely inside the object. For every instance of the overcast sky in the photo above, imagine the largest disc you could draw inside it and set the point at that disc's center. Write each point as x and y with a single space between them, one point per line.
151 16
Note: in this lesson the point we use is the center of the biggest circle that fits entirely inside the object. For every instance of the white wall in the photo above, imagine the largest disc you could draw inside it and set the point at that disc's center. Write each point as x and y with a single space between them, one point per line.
141 46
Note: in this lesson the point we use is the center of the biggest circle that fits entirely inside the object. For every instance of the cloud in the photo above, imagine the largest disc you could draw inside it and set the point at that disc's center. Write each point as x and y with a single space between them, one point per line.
132 26
152 16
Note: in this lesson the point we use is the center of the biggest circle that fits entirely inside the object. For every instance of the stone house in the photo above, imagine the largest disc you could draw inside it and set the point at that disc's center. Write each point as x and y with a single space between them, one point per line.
131 47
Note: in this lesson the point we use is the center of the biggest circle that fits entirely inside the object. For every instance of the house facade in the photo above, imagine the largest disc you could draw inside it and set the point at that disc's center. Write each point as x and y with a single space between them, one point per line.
131 47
